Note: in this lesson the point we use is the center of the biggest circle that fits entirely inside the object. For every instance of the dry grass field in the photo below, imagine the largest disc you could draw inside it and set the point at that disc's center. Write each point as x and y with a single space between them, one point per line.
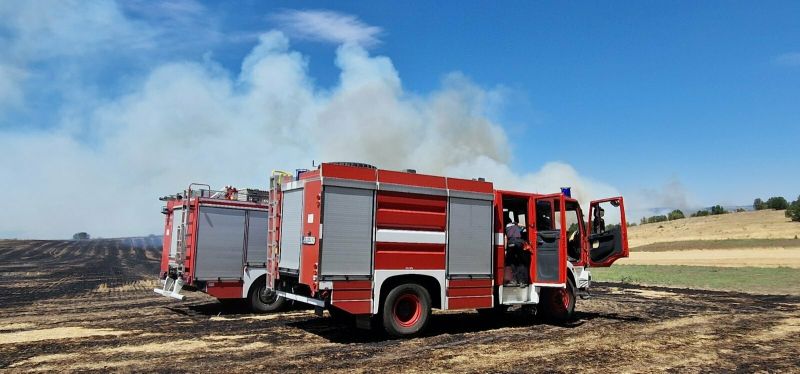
763 224
761 239
88 306
750 251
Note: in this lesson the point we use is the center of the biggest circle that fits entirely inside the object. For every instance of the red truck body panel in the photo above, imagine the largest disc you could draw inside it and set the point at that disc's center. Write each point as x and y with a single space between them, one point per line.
404 224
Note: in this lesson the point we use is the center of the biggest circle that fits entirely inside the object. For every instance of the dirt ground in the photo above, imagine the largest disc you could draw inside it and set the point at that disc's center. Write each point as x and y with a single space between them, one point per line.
763 224
88 306
758 257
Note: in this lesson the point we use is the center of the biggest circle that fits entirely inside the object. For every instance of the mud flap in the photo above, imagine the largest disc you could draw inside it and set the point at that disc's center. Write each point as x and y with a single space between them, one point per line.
172 288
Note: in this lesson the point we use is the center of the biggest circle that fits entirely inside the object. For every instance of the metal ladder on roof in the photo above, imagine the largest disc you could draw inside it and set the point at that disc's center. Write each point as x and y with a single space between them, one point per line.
173 286
180 252
276 180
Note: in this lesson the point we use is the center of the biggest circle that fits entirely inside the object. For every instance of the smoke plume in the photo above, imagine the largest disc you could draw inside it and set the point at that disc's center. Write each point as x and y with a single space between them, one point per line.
101 170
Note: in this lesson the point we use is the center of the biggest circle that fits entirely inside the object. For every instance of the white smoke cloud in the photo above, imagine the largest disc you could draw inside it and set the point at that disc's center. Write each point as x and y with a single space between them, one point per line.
195 122
662 200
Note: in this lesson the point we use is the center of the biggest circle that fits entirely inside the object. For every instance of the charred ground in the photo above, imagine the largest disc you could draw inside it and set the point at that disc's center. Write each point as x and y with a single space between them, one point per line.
88 305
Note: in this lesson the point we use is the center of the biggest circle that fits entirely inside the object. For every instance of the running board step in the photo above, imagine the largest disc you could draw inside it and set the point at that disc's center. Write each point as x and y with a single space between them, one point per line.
512 295
172 288
302 299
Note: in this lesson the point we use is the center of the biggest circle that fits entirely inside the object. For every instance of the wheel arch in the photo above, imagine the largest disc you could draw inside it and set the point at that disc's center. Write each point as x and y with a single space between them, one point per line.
429 282
571 274
252 277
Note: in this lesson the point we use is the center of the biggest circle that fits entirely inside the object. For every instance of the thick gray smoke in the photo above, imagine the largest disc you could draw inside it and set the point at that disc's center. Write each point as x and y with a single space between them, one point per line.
194 122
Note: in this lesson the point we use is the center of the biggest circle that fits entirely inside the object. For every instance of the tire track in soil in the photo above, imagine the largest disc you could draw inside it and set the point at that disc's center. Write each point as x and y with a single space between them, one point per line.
622 328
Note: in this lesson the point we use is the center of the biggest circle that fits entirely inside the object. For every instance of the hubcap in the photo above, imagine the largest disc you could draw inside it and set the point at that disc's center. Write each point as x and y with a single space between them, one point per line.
407 310
267 296
565 298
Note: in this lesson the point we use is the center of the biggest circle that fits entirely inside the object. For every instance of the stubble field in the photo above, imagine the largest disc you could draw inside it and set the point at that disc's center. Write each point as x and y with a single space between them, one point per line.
88 306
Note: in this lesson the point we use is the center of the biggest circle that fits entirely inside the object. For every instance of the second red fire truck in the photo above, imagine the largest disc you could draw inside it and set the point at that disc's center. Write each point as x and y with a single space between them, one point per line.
216 242
389 246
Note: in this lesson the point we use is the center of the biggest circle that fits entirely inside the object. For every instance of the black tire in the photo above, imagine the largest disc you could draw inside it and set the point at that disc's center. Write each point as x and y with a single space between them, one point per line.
406 310
265 302
558 304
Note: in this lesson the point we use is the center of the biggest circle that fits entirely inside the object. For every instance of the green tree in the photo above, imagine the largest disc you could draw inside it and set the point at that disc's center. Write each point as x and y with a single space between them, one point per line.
717 209
793 211
777 203
700 213
655 219
758 204
675 214
572 228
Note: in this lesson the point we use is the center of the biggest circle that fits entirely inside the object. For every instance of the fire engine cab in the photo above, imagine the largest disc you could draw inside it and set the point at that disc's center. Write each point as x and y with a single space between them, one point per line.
388 246
215 242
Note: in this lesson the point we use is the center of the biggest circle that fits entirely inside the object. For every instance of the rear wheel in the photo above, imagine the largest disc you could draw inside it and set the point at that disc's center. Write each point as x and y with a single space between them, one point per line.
263 300
559 303
406 310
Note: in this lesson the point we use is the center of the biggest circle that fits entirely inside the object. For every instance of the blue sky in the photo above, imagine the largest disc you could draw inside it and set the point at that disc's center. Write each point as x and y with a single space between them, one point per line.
683 104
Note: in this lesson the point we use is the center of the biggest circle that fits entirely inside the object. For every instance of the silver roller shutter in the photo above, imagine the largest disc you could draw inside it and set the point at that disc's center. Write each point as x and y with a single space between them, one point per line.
220 243
291 229
469 246
347 232
176 231
256 238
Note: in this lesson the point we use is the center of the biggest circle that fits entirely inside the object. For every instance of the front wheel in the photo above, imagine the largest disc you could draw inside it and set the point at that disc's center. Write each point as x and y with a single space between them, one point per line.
406 310
559 303
265 301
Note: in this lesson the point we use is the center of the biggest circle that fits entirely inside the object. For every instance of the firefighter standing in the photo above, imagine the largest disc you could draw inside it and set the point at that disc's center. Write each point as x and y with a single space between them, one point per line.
515 253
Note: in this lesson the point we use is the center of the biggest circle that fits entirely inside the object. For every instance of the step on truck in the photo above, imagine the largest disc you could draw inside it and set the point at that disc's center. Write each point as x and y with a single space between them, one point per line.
216 242
386 247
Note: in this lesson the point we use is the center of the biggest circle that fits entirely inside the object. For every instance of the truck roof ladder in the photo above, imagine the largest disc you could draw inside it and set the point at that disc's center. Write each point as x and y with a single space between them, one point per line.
274 252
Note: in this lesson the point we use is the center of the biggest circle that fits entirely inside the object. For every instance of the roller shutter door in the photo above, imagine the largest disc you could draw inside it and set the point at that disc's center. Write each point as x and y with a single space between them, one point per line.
256 238
469 247
347 232
220 243
291 229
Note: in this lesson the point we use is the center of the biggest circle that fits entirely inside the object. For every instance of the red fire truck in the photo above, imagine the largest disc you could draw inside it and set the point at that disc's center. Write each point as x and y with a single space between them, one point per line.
216 242
388 246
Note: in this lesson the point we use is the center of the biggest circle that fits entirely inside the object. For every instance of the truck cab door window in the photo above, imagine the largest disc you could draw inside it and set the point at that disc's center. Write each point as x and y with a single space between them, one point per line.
544 215
574 230
608 234
549 241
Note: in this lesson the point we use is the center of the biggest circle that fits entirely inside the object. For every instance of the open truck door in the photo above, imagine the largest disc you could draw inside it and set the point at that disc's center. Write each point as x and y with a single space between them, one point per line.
607 242
549 240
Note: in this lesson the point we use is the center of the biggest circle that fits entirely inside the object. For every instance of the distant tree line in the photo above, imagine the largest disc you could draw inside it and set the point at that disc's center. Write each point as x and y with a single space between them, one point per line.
678 214
671 216
780 203
81 236
775 202
793 211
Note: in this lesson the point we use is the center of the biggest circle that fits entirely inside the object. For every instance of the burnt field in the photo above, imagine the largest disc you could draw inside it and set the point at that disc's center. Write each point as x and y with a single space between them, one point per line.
84 306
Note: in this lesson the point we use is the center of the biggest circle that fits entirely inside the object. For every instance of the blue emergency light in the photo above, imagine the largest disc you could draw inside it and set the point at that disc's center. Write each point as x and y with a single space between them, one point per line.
566 191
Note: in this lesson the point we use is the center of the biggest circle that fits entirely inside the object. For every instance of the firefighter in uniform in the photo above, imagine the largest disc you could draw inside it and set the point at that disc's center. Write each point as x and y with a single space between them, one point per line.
515 254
